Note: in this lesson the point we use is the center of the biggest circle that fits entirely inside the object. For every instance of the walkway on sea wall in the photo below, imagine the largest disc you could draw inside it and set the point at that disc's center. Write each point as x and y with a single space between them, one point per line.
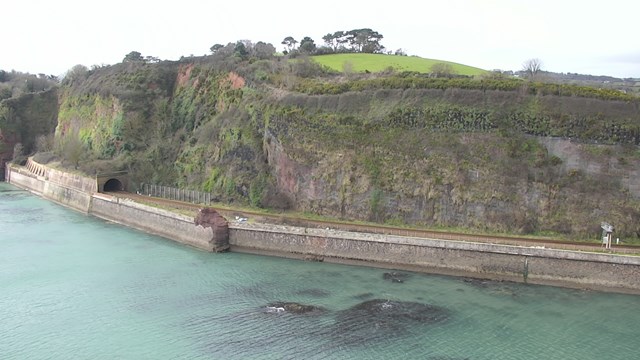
535 265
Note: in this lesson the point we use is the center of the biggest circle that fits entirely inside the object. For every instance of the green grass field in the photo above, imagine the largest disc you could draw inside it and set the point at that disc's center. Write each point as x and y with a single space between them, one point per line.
379 62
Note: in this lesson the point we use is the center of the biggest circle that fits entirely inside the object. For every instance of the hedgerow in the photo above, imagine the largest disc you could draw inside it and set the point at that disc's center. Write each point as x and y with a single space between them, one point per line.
414 81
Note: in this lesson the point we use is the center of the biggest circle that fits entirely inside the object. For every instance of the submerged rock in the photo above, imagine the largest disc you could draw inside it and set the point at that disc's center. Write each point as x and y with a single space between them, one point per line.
377 310
292 307
396 277
379 319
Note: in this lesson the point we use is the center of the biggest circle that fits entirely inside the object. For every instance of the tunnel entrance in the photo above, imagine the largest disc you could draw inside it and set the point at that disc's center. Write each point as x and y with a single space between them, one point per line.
113 185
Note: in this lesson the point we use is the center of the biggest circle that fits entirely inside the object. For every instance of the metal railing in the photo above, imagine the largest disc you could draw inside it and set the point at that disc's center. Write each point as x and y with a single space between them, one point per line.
172 193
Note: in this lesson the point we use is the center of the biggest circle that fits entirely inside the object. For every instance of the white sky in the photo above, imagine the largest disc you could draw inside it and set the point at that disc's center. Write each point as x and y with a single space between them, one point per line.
583 36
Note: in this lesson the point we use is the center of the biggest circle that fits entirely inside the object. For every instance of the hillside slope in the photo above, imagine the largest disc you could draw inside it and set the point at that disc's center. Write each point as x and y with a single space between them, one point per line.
437 153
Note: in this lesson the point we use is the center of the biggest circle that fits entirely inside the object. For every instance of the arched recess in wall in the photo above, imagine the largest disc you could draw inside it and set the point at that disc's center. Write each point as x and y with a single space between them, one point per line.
113 185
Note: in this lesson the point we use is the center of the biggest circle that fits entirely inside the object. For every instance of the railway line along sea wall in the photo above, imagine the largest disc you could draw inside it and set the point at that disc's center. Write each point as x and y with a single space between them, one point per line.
534 265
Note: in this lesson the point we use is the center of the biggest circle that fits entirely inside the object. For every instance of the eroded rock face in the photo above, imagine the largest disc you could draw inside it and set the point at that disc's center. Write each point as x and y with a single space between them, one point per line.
379 319
294 308
209 218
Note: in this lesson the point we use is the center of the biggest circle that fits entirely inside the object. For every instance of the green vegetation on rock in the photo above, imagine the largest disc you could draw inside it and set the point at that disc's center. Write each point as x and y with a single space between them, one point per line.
490 154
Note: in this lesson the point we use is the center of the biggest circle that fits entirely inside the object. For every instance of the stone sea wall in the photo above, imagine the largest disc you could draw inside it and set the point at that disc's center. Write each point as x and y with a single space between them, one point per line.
79 193
68 189
502 262
177 227
481 260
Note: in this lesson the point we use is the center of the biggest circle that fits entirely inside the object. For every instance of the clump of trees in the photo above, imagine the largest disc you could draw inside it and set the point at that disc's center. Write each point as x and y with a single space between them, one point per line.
14 84
136 57
353 41
244 50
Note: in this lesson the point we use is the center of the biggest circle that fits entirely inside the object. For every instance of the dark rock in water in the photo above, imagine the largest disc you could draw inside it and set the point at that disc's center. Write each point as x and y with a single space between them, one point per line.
314 292
294 308
377 320
396 277
378 309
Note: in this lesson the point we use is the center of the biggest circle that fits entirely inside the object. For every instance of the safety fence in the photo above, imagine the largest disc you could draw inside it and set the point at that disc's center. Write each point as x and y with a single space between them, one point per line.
171 193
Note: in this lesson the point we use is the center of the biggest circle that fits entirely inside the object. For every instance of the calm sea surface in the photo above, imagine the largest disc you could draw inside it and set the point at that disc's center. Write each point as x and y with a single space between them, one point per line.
76 287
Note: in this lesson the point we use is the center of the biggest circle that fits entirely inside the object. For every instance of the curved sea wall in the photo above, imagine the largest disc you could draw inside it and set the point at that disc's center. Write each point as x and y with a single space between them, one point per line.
481 260
67 189
80 193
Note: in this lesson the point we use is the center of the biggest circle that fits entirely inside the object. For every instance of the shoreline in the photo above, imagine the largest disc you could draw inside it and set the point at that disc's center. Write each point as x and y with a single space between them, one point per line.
540 266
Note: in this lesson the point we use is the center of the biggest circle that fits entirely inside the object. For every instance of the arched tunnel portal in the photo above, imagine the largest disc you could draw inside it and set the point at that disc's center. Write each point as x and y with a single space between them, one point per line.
114 181
113 185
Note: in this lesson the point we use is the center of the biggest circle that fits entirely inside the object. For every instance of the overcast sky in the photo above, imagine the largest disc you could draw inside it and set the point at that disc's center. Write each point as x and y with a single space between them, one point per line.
583 36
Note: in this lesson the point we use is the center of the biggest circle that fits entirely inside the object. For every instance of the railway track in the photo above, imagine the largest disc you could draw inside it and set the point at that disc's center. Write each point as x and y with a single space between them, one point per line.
282 219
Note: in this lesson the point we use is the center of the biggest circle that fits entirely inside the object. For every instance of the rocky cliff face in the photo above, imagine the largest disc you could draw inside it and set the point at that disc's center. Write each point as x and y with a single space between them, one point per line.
467 181
23 119
492 180
455 158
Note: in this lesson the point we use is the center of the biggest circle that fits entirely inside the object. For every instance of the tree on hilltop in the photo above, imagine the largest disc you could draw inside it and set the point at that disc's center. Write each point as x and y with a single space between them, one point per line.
151 59
78 73
358 40
215 48
307 45
240 50
133 56
262 50
335 40
532 68
290 43
365 40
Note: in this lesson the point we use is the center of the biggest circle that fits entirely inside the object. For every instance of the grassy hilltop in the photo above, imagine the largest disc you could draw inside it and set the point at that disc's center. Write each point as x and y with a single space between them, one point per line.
381 62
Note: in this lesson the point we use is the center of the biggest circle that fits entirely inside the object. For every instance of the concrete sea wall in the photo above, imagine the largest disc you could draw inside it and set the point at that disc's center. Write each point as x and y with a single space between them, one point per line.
155 221
67 189
575 269
79 193
531 265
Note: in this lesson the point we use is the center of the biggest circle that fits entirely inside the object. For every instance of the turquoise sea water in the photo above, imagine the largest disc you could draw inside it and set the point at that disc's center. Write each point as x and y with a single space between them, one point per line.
76 287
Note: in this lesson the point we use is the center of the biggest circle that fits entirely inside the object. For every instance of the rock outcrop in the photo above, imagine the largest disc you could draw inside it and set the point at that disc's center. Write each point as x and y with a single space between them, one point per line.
209 218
